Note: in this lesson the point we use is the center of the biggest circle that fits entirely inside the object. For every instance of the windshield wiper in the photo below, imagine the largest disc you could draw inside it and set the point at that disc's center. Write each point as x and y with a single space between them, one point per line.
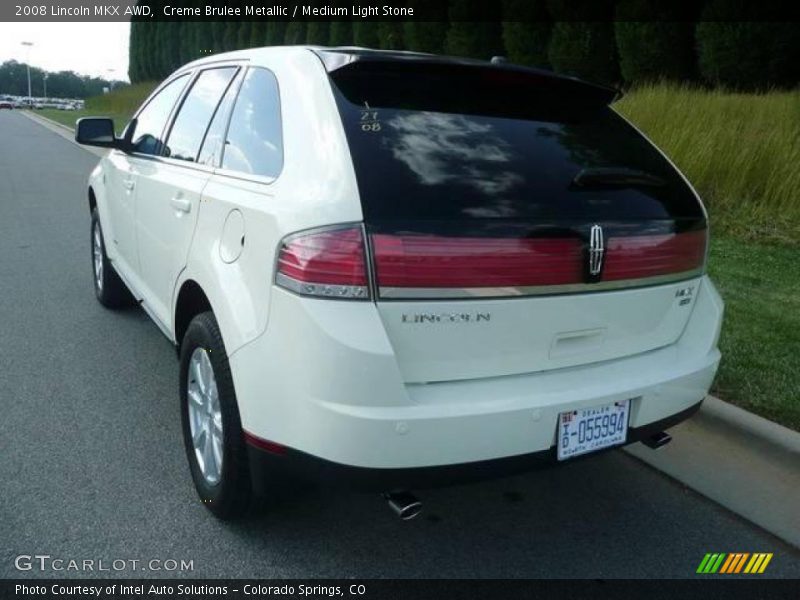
601 177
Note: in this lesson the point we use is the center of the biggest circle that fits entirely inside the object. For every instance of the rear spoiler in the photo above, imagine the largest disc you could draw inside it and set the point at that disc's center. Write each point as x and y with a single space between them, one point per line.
341 62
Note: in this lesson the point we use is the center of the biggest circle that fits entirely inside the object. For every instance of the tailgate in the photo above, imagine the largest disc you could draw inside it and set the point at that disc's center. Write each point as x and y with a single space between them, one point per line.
451 340
515 223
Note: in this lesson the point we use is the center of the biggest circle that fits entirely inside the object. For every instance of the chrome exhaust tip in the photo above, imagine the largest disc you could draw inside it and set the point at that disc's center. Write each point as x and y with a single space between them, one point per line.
657 440
404 504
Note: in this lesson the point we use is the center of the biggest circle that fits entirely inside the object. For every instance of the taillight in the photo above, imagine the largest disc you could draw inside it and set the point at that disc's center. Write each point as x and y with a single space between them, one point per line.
429 261
434 266
642 256
329 263
332 263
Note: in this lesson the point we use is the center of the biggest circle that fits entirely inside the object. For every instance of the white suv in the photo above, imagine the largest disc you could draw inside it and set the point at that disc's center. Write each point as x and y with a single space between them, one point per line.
396 270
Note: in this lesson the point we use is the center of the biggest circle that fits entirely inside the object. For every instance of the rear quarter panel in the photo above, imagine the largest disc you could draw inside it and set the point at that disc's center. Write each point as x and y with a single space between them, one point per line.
316 187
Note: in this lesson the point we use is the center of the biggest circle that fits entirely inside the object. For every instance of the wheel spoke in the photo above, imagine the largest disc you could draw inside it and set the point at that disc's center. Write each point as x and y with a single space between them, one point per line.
195 397
208 458
208 373
216 443
205 416
199 432
97 253
198 376
216 424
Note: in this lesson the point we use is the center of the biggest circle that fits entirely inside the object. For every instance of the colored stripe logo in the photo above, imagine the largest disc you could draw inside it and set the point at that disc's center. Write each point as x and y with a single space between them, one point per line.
734 563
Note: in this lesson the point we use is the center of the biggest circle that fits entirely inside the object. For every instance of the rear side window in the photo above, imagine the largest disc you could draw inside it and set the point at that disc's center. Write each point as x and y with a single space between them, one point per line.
214 142
477 147
195 113
254 144
152 119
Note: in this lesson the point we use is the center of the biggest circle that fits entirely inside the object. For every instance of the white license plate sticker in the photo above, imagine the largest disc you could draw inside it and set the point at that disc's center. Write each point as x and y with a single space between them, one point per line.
590 429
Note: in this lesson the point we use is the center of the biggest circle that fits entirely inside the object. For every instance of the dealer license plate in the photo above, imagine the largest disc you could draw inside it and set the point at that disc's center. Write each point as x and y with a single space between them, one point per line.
590 429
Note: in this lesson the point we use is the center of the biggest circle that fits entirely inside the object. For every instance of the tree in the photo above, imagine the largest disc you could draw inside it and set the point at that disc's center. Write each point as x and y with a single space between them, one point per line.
197 40
143 41
474 30
171 47
204 38
230 40
218 29
341 33
584 48
526 39
295 33
276 33
654 41
244 34
365 34
425 36
157 50
258 34
318 33
746 54
390 35
63 84
186 42
133 52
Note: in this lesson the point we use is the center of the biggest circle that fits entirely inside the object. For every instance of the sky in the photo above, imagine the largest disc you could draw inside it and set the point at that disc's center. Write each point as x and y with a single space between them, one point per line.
86 48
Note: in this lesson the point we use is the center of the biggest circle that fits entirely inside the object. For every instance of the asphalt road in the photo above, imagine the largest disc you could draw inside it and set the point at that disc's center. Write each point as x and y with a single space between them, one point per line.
92 463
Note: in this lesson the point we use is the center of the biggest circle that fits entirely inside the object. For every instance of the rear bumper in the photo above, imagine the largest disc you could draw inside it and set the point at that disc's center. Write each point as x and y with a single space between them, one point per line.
289 464
324 382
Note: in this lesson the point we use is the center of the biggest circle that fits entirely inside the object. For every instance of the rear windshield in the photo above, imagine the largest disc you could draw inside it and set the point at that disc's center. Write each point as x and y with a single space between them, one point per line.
464 148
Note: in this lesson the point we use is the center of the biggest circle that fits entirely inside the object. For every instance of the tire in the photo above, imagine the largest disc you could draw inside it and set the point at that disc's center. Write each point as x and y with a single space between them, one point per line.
108 287
224 489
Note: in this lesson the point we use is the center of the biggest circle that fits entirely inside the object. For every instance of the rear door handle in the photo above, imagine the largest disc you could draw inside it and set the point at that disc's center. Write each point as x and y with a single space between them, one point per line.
181 204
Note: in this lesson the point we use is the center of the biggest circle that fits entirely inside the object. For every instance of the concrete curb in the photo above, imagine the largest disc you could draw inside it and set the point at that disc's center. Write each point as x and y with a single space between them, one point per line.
752 424
68 133
747 464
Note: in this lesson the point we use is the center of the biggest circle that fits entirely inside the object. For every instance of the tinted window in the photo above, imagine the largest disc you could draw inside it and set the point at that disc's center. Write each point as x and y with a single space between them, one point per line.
195 113
464 149
152 119
254 143
211 152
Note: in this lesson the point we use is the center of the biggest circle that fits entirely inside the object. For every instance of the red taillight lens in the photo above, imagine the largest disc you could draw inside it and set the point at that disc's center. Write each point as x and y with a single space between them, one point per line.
408 266
642 256
332 263
429 261
329 263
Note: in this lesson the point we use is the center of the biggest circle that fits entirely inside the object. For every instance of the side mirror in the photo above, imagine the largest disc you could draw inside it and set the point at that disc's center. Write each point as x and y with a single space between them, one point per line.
96 131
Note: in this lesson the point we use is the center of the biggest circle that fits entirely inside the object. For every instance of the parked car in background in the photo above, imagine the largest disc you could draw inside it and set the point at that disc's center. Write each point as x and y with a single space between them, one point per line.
395 270
6 104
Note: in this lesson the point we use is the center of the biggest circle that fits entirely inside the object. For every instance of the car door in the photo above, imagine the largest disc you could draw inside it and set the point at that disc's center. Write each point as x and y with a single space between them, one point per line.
120 229
169 188
122 176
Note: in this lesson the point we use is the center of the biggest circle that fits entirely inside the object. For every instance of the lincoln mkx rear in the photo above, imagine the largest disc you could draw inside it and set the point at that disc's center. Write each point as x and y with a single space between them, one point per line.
452 270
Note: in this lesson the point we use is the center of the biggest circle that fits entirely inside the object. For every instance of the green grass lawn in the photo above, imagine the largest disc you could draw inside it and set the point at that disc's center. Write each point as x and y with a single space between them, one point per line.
742 153
760 342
